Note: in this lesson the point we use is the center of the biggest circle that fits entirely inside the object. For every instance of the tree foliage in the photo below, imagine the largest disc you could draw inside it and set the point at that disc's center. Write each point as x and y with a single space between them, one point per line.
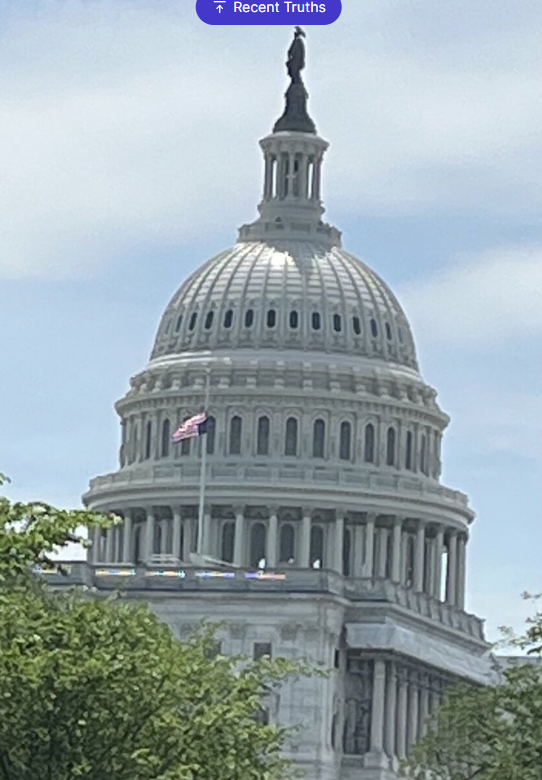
493 732
99 688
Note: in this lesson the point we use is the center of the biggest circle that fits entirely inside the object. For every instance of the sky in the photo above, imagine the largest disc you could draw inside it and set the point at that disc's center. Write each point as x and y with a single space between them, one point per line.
129 156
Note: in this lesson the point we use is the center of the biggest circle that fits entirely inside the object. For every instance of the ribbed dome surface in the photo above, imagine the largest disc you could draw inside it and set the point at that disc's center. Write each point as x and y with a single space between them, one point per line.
286 295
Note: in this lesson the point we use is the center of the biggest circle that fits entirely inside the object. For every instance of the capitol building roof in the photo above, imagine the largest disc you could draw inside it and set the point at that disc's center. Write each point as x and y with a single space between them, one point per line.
286 295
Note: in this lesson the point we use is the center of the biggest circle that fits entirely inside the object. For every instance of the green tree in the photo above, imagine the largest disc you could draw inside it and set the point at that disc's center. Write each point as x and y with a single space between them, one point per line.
99 688
489 733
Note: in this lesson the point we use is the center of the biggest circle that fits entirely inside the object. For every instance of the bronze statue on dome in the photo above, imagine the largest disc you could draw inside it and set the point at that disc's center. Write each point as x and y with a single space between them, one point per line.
296 56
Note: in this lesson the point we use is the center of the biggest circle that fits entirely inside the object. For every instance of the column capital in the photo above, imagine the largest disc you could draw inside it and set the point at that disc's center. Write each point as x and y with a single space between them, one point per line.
371 517
239 510
307 511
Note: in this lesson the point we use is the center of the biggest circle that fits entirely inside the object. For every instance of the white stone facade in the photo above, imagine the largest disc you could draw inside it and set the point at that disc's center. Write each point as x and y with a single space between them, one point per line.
323 472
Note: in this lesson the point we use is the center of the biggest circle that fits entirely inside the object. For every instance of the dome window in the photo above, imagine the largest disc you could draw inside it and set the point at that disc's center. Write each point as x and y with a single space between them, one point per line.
227 541
209 320
337 324
317 545
271 318
408 451
235 435
262 439
369 448
166 438
318 439
390 447
192 323
388 331
210 435
148 440
400 334
374 328
345 444
257 544
294 320
228 318
249 318
316 320
290 444
179 323
287 543
356 324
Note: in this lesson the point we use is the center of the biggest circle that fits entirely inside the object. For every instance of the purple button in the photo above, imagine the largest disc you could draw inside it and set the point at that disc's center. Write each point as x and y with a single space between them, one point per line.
279 12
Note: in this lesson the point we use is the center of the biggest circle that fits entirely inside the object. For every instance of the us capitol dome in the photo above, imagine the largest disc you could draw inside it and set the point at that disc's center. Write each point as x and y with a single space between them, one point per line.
320 526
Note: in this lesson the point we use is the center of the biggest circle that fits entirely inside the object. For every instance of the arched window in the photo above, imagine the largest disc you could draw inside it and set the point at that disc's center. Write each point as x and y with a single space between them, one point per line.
400 334
294 320
388 331
287 543
179 323
166 438
337 324
290 444
316 320
347 549
227 542
236 425
423 455
228 319
148 440
410 560
257 544
374 329
356 324
210 435
408 451
318 439
369 448
209 320
317 545
135 443
390 447
192 323
271 318
345 444
262 439
249 318
185 447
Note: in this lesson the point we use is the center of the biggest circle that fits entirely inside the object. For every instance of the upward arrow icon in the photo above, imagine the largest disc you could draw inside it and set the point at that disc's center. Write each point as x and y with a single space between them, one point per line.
219 8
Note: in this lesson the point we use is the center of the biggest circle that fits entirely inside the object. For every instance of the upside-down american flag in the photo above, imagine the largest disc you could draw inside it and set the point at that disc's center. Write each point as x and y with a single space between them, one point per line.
194 426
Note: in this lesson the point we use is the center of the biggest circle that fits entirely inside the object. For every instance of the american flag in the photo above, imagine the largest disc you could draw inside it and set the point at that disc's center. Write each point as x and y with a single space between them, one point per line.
194 426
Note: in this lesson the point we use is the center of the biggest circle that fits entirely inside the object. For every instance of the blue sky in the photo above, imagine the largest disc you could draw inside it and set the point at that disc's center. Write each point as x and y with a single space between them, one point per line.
128 151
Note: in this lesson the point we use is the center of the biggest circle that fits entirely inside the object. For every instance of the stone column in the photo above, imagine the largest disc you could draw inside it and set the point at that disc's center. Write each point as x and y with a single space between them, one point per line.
272 539
338 542
239 541
369 546
377 710
402 698
451 572
419 557
305 546
391 707
461 571
439 542
412 730
127 542
382 551
177 533
396 549
430 564
149 536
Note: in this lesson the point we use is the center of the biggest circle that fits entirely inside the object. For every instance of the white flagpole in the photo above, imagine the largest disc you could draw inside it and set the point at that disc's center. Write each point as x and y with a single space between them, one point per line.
203 471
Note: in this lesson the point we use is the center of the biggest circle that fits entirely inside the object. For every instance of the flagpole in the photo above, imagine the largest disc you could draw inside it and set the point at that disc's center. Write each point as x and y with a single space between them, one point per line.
203 471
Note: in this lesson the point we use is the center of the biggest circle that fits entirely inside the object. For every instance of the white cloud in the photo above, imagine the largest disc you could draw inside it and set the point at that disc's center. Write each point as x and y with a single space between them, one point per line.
131 123
483 300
